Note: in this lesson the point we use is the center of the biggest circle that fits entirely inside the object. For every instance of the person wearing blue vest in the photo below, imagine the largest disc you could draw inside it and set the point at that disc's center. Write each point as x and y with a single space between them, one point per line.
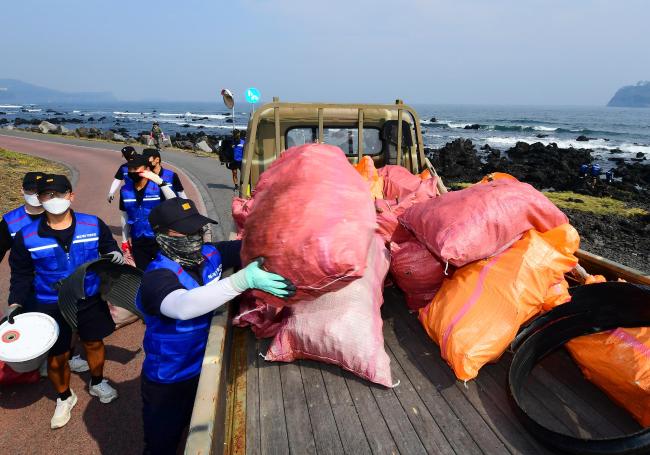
180 289
47 251
14 220
142 191
239 141
128 153
170 177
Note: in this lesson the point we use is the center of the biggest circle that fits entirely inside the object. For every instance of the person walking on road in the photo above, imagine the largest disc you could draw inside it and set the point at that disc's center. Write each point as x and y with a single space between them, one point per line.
128 153
48 250
157 135
168 176
239 141
14 220
142 191
180 289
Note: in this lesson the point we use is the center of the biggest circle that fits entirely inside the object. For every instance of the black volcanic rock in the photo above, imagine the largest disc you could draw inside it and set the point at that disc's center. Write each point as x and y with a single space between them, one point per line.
474 126
582 138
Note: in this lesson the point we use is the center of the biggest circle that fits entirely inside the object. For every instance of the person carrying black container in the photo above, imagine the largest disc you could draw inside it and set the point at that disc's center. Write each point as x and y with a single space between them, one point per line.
46 251
180 289
142 191
128 153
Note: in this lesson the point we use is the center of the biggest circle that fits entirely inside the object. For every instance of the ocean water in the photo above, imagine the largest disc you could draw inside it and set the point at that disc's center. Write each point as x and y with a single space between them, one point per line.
609 129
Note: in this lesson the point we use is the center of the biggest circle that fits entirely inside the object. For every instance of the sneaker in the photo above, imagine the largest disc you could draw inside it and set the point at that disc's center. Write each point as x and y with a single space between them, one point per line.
78 365
62 412
103 391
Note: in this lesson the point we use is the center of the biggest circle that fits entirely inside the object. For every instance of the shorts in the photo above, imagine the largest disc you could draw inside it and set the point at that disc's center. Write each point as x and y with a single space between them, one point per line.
94 323
232 165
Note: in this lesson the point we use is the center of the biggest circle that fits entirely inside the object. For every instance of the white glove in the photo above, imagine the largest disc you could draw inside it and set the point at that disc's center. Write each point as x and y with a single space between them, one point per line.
110 198
115 257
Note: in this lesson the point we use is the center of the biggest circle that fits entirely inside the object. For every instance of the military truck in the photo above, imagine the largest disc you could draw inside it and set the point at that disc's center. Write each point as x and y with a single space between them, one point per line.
247 405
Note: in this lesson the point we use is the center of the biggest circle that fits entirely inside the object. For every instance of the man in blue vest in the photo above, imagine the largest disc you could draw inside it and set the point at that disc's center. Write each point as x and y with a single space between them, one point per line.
128 153
239 141
142 191
180 290
14 220
48 250
168 176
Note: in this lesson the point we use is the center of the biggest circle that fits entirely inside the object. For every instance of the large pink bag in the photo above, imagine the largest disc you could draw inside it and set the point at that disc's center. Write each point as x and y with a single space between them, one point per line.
480 221
312 220
398 181
416 272
342 327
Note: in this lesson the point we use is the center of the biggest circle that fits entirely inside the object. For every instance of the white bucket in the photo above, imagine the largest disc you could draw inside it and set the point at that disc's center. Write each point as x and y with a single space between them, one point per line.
25 343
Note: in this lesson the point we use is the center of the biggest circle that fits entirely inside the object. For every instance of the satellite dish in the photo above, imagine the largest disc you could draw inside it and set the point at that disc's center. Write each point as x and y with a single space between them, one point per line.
228 99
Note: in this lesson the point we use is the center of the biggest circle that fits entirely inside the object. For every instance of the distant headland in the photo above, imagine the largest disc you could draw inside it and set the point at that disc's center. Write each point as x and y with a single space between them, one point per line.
15 91
632 96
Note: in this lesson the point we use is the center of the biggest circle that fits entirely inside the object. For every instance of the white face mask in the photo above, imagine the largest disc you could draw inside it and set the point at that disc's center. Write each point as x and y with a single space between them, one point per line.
57 205
32 199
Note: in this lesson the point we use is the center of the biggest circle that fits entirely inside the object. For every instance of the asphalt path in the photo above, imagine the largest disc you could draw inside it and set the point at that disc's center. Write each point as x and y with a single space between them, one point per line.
113 428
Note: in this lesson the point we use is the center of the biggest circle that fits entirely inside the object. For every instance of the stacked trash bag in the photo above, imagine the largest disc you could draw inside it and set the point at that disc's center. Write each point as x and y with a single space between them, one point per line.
475 264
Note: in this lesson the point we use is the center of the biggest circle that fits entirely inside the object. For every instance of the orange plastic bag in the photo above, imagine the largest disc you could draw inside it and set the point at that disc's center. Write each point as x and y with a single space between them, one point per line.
618 361
497 176
366 167
476 314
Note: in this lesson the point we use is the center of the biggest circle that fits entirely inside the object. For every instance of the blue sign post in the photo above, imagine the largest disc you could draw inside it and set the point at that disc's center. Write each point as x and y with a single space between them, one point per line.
253 95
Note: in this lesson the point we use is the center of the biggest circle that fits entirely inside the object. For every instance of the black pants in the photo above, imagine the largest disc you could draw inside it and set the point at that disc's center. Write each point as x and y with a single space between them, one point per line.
144 251
166 412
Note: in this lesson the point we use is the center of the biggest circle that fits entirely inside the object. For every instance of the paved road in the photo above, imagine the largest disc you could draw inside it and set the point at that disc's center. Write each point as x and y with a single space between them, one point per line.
95 428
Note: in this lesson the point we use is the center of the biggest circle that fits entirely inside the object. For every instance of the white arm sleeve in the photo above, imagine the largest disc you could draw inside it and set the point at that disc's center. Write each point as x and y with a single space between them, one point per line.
168 192
114 186
182 194
183 304
126 229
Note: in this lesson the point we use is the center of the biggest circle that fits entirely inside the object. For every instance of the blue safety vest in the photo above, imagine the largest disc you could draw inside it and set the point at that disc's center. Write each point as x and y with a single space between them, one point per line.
168 177
238 152
17 219
137 214
124 169
173 348
52 263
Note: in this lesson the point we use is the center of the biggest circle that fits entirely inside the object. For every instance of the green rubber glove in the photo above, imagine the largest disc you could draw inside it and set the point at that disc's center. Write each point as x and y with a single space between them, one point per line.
253 277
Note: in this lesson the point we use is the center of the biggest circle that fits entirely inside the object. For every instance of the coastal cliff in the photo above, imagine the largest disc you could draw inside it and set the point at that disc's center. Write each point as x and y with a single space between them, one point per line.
632 96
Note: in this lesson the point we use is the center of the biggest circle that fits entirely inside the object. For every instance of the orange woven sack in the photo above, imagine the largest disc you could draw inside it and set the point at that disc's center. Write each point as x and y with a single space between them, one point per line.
497 176
366 167
476 314
618 361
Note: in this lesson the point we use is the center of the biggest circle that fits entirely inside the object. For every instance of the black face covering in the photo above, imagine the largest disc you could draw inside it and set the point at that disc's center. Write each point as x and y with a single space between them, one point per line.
186 250
135 176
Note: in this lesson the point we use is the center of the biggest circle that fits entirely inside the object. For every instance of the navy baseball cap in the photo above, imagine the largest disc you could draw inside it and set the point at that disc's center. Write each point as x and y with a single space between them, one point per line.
178 214
53 182
30 180
137 161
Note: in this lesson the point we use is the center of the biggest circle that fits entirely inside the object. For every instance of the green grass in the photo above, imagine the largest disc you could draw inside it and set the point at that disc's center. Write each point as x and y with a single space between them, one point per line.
592 204
13 167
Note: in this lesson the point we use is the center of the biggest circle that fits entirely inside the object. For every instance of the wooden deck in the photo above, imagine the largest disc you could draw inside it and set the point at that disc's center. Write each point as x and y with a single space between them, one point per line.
308 407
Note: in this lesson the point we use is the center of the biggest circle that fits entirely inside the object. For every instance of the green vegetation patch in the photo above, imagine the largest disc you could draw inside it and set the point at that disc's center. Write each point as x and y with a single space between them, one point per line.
592 204
13 167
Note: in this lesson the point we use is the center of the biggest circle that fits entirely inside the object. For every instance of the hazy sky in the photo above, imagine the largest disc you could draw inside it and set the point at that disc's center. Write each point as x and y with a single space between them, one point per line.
564 52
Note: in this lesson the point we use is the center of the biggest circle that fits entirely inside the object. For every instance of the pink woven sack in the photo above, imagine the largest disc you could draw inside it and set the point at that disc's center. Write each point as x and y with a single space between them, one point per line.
416 272
312 220
480 221
343 328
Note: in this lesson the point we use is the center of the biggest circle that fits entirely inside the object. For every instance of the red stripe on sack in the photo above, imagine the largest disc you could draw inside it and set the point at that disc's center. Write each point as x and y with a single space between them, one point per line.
470 302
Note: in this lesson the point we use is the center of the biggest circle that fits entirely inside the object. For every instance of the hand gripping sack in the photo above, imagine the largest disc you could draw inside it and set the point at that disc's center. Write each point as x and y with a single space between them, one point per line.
416 272
312 221
343 328
480 221
476 314
618 362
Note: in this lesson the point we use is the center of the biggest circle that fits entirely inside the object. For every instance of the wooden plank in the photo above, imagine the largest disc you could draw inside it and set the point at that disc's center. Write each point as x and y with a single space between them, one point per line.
273 434
506 428
253 446
426 354
235 440
350 429
301 440
377 432
451 424
404 435
326 433
425 425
